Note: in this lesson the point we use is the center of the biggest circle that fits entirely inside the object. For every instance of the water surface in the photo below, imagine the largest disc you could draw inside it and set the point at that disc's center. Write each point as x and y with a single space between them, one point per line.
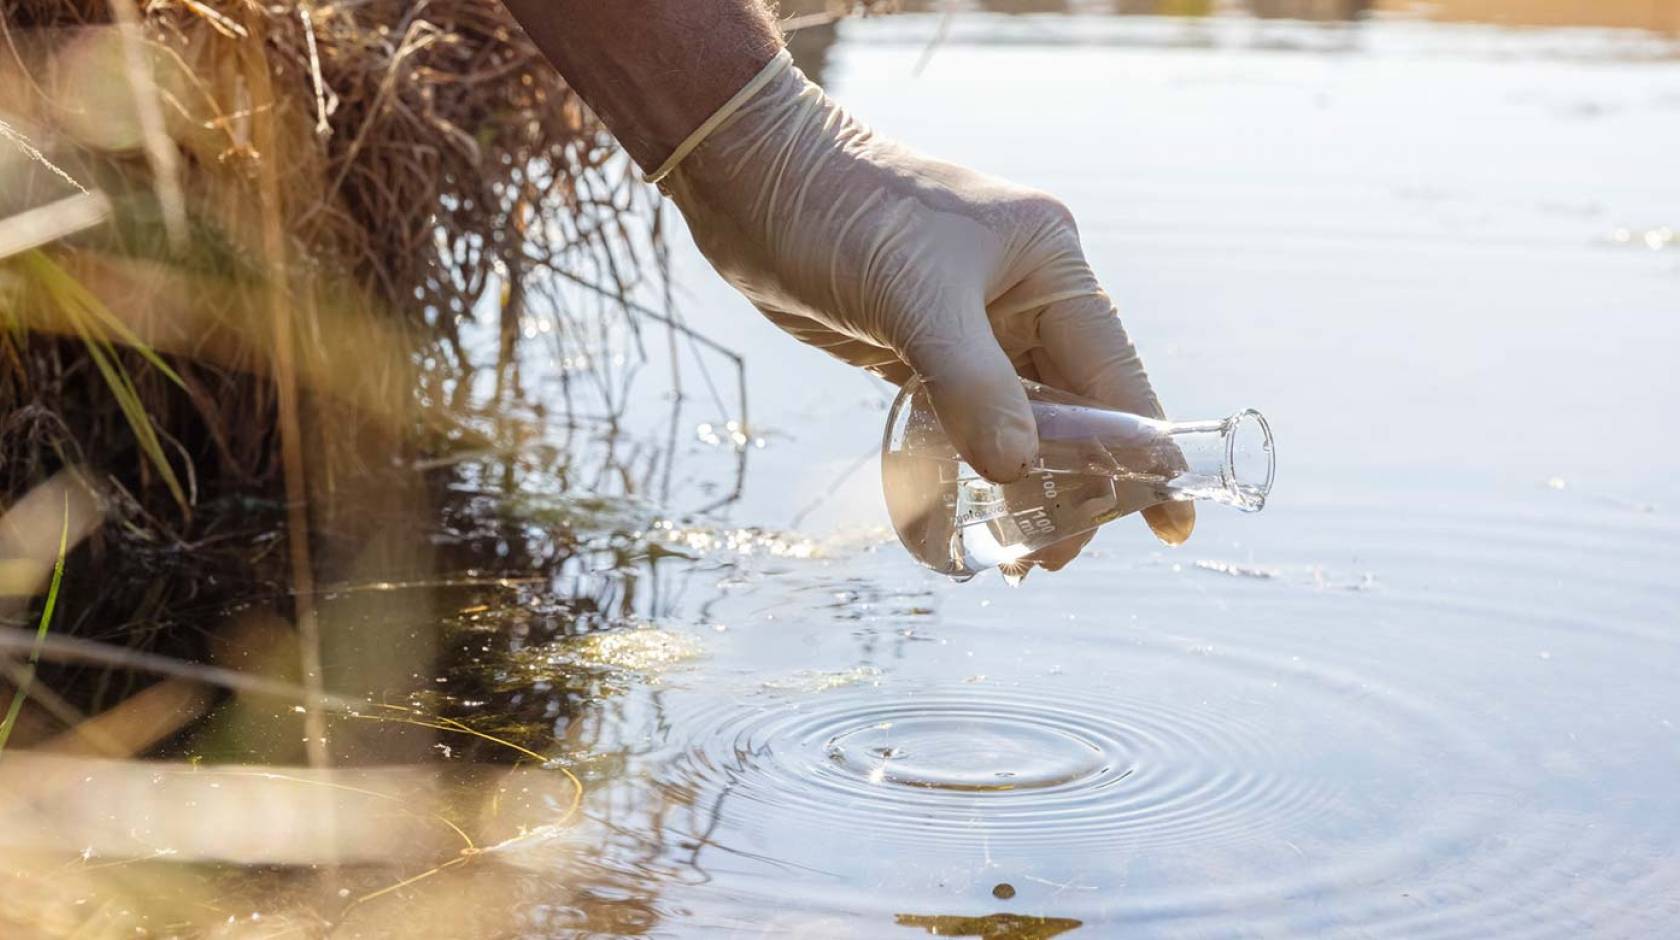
1429 692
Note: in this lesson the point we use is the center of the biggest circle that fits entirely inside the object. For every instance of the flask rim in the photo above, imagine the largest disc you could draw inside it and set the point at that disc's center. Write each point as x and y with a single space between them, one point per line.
1247 491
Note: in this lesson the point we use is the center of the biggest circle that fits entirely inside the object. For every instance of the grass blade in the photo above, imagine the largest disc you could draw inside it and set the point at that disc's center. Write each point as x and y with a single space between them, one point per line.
40 631
67 290
91 322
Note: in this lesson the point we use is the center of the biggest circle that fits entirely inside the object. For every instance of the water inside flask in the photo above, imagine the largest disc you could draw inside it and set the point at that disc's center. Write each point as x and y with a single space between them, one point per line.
1095 465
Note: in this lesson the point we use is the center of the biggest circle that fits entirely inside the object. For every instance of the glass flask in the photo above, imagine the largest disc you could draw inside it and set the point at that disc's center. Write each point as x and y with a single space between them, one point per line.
1094 465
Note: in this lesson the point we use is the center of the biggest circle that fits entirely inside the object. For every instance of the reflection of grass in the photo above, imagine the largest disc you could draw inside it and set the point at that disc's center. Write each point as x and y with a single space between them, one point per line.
991 926
605 662
28 677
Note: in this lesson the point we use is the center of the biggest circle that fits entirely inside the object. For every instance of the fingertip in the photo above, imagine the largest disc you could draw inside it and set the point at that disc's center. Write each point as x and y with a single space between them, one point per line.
1057 562
1055 557
987 418
1005 452
1172 523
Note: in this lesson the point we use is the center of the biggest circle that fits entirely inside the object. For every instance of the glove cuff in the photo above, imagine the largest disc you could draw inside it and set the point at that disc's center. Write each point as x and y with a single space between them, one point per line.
776 66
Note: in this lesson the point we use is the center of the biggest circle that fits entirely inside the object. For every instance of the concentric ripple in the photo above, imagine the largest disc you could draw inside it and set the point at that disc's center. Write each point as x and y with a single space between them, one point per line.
968 750
1427 760
949 765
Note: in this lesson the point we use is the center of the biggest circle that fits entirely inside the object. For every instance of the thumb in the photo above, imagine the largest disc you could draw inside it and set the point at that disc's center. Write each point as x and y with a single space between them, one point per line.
975 391
1086 343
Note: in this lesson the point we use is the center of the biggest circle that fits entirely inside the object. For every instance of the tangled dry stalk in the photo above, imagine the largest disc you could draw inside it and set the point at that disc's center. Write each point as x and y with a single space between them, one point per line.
238 243
389 162
287 213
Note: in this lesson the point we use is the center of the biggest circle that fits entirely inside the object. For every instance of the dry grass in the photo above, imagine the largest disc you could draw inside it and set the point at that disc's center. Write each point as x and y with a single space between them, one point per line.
308 167
238 243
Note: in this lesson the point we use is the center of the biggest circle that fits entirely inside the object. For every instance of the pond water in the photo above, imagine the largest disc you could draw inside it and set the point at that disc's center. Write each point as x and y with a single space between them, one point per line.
1430 692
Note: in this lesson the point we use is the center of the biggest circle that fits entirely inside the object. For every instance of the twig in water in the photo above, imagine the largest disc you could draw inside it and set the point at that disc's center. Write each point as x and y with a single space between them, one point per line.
471 851
937 40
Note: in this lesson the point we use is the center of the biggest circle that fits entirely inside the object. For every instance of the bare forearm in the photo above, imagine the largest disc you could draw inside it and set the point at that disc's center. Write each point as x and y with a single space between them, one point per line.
653 70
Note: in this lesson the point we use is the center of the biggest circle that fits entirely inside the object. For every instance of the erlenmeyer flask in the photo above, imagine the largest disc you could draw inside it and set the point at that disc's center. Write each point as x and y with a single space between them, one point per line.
1095 465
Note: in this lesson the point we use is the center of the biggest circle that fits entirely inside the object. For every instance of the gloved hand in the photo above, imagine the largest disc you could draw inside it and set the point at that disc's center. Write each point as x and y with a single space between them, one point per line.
899 263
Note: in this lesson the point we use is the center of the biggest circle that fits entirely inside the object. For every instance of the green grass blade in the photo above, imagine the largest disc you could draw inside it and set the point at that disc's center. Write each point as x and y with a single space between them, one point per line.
85 300
128 400
40 631
79 306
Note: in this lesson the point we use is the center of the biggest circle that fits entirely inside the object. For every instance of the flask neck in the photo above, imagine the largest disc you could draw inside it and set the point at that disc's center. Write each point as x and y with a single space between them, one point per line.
1230 460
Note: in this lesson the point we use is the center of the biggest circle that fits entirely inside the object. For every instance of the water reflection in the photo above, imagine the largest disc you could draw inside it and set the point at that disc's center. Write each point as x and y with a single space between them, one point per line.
1312 10
990 926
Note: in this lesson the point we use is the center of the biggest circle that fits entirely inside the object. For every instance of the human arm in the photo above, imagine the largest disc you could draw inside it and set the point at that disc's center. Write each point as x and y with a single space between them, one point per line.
652 70
850 242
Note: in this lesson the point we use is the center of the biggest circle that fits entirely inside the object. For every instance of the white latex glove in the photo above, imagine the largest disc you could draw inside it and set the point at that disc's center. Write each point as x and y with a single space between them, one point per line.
899 263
